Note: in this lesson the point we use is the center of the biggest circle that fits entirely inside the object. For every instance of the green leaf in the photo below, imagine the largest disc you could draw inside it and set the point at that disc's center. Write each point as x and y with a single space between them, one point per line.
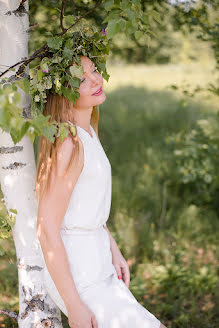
69 94
19 131
24 84
63 131
68 53
77 94
72 130
76 71
49 132
108 5
156 15
128 30
113 27
130 14
125 4
69 44
44 66
122 24
152 33
114 14
74 82
13 210
39 74
30 133
54 42
106 76
4 235
138 34
4 117
148 40
70 19
40 120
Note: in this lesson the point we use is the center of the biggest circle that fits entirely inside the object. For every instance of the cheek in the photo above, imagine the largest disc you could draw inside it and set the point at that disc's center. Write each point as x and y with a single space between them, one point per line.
84 89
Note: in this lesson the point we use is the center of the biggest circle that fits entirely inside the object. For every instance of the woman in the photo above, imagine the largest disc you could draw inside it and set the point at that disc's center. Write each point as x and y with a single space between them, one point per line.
85 272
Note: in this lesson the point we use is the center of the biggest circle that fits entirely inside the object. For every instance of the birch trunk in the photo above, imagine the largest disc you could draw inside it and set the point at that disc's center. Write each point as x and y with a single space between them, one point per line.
17 177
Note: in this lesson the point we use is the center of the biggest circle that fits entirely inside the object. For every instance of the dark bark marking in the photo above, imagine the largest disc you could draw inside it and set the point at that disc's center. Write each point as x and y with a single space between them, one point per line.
36 304
24 291
14 166
20 11
51 322
10 150
28 267
27 112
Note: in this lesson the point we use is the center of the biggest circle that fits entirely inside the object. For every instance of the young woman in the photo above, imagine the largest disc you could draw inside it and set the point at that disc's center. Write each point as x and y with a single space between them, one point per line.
85 273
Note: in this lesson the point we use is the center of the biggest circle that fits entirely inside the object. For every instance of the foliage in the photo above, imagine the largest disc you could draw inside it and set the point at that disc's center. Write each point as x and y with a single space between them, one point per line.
197 161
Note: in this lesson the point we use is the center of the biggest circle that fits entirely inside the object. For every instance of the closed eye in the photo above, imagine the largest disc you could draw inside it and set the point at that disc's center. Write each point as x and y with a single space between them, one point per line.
95 70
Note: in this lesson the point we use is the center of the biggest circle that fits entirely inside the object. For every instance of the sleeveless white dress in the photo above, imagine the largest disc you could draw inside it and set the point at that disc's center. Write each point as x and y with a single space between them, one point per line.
87 245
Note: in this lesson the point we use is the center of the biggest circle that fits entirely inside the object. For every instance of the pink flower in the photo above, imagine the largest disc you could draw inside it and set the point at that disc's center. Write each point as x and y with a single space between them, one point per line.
103 31
44 71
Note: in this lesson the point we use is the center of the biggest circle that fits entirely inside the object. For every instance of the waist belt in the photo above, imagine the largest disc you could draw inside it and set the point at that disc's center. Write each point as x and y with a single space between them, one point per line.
80 231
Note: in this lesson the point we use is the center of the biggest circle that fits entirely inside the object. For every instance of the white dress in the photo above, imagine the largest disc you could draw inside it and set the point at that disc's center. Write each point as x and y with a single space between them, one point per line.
87 245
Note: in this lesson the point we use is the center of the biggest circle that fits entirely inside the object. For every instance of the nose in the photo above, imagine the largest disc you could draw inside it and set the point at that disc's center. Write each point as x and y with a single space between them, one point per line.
94 80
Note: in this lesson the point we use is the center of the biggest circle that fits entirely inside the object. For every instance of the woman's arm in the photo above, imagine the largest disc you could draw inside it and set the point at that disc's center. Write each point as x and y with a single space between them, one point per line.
51 210
113 244
120 264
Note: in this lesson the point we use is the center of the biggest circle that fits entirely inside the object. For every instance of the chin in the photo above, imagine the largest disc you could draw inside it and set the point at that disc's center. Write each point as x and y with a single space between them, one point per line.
101 99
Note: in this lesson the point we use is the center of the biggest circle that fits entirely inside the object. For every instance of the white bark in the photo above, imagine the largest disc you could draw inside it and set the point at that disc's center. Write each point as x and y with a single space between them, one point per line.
17 177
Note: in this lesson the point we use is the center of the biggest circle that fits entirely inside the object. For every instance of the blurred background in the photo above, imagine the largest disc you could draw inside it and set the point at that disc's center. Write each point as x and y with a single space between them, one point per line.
159 129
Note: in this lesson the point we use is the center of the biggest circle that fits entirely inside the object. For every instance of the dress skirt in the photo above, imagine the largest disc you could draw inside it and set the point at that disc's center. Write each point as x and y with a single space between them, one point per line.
95 277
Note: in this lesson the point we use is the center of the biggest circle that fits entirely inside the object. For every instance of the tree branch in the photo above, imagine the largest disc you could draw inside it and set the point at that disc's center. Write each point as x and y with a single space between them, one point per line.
10 314
62 14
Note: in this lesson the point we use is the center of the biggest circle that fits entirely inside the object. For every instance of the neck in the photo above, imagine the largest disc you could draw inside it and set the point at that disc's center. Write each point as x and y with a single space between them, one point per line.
82 117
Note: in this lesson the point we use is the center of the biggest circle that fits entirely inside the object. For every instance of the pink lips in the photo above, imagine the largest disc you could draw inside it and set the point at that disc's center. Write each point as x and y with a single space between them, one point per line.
98 92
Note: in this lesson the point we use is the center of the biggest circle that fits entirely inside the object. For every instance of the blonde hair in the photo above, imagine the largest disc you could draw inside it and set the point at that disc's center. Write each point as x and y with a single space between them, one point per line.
60 109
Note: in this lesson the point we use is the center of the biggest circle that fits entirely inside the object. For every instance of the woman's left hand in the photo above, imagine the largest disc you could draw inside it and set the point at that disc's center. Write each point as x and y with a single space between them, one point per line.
121 266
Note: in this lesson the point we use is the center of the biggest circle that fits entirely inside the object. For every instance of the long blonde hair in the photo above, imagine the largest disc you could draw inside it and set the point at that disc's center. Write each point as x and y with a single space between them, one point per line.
60 109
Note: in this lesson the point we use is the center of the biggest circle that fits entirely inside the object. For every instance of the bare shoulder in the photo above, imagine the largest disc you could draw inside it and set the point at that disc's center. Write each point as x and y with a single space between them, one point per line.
65 150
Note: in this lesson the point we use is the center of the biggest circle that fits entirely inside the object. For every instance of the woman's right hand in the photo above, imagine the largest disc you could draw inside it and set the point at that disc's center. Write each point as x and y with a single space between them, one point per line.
80 316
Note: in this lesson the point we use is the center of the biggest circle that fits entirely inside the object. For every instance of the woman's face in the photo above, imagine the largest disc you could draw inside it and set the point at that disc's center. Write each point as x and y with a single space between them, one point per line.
91 82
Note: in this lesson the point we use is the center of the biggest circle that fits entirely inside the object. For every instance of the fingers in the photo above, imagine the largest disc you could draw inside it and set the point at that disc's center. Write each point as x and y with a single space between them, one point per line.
118 271
94 322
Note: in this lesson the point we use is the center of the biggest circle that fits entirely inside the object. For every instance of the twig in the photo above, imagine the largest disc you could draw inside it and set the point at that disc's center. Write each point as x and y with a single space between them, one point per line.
10 314
45 46
32 27
26 61
62 14
87 13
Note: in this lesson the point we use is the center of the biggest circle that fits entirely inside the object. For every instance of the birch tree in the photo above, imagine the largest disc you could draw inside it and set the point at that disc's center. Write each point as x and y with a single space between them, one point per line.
17 176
